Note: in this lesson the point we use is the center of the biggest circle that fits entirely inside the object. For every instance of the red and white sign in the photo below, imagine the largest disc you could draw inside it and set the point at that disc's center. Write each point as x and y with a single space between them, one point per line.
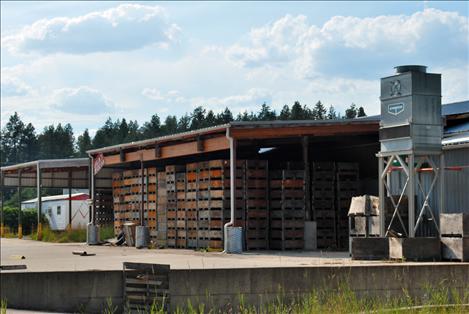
98 163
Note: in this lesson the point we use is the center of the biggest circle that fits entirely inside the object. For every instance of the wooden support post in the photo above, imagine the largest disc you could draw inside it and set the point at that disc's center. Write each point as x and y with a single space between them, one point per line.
309 215
90 188
2 191
70 200
39 202
20 225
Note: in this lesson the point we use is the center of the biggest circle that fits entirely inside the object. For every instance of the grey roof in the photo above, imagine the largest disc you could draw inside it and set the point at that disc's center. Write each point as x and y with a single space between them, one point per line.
50 163
455 108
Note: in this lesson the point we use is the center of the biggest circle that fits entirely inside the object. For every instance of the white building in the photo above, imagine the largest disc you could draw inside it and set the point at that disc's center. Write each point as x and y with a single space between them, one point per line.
56 210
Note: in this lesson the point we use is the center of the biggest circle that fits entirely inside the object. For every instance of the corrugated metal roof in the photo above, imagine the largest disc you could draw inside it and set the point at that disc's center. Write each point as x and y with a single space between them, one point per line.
50 163
455 108
459 128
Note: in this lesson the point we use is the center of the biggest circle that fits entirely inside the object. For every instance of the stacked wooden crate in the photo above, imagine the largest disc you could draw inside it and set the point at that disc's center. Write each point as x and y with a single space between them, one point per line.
150 198
257 205
162 225
127 197
103 203
346 188
211 200
171 206
287 209
181 232
192 204
323 203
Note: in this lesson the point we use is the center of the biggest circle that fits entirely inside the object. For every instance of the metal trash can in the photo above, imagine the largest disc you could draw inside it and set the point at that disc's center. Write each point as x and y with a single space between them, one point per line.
92 234
234 238
142 237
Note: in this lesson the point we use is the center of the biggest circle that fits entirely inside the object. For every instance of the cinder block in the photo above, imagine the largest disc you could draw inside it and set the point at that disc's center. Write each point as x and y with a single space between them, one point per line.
370 248
455 248
454 225
415 249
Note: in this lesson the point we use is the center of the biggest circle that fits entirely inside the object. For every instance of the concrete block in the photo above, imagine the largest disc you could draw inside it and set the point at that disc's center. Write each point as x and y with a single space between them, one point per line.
454 224
310 243
359 226
370 248
415 249
455 248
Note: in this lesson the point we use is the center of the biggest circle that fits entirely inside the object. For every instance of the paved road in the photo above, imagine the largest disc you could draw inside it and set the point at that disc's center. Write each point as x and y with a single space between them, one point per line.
41 256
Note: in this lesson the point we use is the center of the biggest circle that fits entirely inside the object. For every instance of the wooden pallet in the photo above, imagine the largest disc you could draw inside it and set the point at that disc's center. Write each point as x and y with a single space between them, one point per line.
162 223
146 285
257 206
347 179
287 209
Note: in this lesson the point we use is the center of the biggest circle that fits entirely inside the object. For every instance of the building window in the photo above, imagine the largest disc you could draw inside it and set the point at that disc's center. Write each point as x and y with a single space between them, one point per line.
59 210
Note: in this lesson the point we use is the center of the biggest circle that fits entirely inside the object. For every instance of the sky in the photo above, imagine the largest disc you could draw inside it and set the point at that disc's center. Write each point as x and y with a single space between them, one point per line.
82 62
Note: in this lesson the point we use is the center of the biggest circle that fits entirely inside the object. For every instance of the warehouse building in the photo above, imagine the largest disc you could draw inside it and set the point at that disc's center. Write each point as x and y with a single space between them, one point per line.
291 187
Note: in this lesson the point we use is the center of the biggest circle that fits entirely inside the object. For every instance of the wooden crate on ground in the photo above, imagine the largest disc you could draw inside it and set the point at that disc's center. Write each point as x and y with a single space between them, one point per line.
150 198
323 203
257 205
162 224
191 205
171 205
181 231
287 209
347 181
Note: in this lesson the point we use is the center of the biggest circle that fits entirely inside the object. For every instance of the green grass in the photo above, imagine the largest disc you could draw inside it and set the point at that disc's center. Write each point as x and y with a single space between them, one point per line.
70 236
343 300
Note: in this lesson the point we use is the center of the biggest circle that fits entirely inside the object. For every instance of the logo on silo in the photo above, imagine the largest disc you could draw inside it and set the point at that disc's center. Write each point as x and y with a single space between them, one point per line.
395 88
395 109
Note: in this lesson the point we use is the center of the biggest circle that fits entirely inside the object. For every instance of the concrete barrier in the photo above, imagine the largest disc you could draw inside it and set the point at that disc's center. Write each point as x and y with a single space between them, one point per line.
88 291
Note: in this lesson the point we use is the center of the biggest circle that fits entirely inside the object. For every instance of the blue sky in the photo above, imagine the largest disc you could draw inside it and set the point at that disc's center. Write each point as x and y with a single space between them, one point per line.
81 62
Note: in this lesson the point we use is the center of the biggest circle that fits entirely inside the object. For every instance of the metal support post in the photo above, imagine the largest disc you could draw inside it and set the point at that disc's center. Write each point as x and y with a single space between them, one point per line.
70 200
20 223
442 183
382 222
309 215
411 195
39 201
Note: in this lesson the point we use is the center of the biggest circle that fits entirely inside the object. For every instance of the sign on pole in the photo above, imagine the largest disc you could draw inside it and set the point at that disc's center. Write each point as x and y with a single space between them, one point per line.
98 163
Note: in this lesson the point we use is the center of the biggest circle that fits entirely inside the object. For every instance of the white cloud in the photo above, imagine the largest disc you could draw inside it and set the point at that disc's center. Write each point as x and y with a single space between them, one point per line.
249 100
345 45
11 87
125 27
82 100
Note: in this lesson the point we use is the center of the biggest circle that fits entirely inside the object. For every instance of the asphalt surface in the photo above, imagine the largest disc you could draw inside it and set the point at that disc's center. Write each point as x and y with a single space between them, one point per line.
42 256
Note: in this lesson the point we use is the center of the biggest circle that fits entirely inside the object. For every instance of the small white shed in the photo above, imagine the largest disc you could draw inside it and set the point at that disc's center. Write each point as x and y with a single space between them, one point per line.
56 210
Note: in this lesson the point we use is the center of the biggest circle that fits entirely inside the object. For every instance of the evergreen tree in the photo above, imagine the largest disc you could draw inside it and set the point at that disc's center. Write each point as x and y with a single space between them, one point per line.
133 133
170 125
210 119
266 114
351 112
319 111
105 135
57 142
285 114
152 128
84 143
18 142
184 123
297 112
361 112
331 113
198 118
225 117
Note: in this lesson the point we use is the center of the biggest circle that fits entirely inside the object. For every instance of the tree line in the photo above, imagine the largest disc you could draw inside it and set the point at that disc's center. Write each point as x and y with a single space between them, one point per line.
20 142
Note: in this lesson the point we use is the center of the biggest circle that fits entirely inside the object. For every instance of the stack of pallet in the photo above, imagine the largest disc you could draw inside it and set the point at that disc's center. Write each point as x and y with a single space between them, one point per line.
257 205
181 232
127 198
171 206
103 203
323 203
347 187
150 198
287 209
162 225
192 204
